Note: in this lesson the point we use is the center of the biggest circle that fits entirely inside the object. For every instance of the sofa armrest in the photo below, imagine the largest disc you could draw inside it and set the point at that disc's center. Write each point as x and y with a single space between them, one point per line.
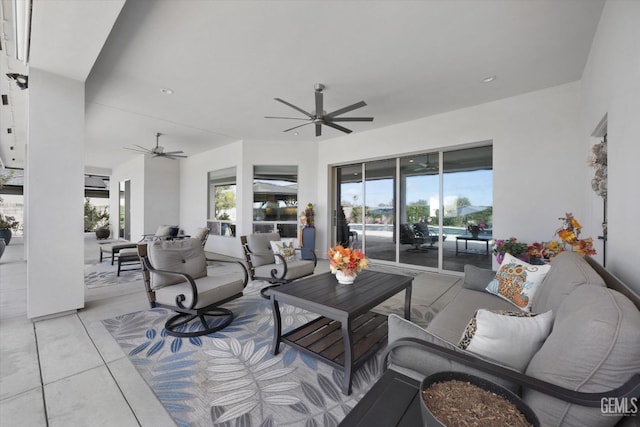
628 390
476 278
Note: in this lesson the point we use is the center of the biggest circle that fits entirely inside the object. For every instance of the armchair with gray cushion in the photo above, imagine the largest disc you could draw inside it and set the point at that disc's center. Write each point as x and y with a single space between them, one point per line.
176 277
274 268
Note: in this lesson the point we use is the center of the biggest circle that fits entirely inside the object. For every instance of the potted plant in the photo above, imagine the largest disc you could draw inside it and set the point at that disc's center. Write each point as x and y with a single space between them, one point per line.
102 230
511 246
7 225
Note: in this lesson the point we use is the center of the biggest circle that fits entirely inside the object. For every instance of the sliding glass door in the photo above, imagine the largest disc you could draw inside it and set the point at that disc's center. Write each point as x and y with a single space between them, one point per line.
432 209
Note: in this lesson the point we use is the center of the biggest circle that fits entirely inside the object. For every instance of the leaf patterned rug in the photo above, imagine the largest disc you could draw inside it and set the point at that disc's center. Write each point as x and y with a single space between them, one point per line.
230 378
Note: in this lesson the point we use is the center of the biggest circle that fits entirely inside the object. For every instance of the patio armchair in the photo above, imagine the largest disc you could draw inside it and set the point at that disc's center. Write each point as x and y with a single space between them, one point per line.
277 267
430 232
176 277
410 236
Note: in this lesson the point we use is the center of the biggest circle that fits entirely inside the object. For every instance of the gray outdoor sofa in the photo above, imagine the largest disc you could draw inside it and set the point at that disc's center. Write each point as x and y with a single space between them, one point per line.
592 350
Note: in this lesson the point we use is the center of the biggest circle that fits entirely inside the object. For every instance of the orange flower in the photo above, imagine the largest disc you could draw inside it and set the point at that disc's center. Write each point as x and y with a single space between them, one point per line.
348 260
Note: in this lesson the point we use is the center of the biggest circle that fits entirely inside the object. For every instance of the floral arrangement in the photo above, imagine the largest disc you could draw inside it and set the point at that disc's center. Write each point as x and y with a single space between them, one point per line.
8 223
545 250
510 246
599 162
569 233
472 227
349 261
307 218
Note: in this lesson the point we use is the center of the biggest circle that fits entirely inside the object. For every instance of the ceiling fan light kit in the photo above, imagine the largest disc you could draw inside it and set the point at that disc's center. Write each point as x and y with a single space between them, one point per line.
158 151
319 117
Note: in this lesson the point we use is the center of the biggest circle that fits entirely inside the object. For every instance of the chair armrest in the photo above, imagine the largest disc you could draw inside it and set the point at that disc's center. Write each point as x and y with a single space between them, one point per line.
180 298
629 389
245 272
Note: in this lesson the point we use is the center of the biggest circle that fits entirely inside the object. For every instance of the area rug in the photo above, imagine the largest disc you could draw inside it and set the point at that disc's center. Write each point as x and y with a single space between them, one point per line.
102 274
230 378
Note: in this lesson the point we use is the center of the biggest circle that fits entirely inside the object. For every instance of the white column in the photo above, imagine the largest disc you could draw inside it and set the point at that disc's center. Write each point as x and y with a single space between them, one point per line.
54 194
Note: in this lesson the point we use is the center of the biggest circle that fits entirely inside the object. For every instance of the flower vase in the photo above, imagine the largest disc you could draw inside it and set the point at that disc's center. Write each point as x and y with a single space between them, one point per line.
345 279
499 258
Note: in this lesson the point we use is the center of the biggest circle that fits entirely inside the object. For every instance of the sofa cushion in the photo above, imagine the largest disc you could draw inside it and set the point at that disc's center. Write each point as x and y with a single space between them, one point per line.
183 256
509 337
260 247
568 271
517 281
451 322
211 290
594 347
418 363
167 231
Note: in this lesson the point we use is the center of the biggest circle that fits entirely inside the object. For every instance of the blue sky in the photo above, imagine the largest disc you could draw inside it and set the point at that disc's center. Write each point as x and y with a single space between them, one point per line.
477 186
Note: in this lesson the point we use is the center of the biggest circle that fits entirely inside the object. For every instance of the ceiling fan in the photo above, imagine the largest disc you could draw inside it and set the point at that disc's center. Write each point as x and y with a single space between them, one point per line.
320 117
425 166
158 151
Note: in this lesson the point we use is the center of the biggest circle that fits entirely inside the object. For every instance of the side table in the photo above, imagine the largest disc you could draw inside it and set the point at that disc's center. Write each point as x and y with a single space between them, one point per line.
392 401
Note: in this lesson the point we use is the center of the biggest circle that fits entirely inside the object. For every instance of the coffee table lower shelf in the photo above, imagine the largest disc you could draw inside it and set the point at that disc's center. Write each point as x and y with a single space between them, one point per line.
323 338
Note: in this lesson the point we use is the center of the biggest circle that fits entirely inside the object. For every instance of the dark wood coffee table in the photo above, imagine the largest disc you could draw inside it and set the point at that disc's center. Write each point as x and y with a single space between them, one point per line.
347 334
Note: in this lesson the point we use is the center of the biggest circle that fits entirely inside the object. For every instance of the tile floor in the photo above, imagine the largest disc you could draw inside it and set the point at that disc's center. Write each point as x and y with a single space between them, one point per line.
68 370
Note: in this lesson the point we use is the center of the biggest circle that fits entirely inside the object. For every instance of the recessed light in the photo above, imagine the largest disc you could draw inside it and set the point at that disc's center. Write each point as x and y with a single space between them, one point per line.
296 133
410 160
166 91
488 79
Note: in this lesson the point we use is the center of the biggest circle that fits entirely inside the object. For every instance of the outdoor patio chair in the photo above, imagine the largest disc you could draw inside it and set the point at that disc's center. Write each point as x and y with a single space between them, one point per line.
276 268
410 236
175 276
430 232
163 232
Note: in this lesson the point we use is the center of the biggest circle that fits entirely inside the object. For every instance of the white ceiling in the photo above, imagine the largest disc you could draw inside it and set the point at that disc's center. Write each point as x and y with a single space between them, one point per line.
227 60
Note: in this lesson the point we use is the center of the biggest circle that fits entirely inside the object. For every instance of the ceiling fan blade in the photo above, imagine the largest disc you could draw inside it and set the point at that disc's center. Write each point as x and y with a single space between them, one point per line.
351 119
136 150
318 129
288 118
294 107
296 127
142 148
347 109
175 156
169 153
319 111
335 126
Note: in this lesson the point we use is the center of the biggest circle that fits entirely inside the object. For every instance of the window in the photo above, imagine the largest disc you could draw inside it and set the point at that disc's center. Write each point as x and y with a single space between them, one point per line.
275 200
222 202
430 209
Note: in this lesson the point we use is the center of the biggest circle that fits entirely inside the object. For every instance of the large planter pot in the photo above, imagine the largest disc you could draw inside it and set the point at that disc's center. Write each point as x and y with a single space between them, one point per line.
2 246
430 420
308 242
6 234
103 233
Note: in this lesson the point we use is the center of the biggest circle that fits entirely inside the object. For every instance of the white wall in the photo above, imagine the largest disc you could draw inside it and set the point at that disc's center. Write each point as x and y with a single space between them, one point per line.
161 193
611 85
54 195
132 171
539 159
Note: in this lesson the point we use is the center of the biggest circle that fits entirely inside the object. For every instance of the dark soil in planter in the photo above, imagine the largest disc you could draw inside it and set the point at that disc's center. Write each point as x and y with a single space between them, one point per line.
458 403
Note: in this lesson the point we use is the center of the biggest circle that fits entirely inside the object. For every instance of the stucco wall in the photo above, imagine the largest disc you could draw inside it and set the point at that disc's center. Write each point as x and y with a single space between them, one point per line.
611 86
